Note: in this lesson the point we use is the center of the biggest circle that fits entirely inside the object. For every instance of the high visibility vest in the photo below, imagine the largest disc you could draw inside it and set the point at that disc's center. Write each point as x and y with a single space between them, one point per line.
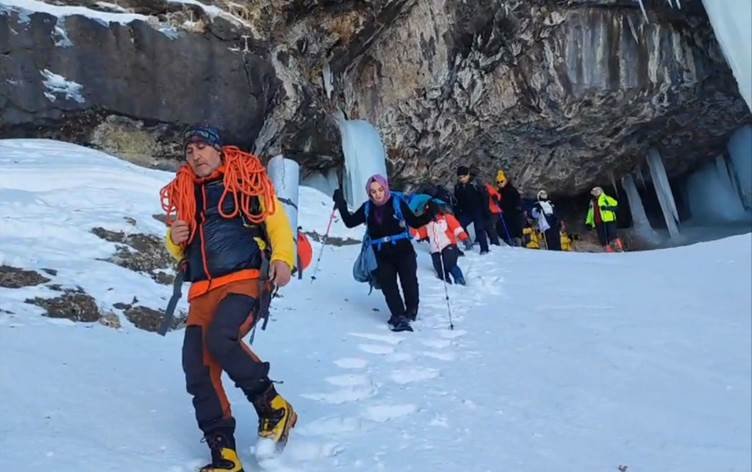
607 206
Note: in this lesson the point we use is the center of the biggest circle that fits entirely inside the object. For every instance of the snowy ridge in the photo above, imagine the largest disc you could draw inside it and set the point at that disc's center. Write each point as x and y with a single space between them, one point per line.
582 362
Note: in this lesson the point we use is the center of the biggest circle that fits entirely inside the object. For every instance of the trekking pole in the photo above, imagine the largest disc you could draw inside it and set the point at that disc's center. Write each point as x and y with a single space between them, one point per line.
506 230
443 278
324 242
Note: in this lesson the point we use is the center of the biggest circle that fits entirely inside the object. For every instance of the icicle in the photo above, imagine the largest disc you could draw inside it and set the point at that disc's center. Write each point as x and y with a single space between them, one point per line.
711 196
326 75
613 184
663 191
641 177
364 156
632 29
740 151
285 174
644 12
640 222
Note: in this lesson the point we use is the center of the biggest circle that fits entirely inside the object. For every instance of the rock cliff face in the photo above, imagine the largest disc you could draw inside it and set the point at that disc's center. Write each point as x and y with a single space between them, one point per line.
561 93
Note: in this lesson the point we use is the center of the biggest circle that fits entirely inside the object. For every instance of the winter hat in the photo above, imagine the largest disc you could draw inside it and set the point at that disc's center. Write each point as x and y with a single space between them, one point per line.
501 177
542 195
384 183
203 134
462 170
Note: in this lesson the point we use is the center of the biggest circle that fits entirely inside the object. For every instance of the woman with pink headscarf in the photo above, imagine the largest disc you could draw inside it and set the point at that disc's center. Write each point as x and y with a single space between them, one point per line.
391 243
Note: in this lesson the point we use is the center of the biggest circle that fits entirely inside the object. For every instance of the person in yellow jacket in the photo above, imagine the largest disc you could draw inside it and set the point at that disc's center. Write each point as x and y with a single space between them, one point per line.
223 211
601 215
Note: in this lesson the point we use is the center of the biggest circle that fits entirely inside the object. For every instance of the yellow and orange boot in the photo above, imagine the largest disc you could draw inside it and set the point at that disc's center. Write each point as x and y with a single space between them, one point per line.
276 417
224 456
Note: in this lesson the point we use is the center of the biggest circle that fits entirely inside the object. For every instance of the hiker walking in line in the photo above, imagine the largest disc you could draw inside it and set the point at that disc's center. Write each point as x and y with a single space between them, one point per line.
225 219
511 210
472 206
442 234
387 216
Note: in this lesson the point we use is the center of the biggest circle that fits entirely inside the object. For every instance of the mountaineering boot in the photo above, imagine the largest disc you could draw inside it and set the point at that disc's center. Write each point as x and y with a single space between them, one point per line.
411 314
400 323
459 278
276 417
224 457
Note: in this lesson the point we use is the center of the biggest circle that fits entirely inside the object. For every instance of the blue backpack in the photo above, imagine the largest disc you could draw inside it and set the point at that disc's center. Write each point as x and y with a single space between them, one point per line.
366 265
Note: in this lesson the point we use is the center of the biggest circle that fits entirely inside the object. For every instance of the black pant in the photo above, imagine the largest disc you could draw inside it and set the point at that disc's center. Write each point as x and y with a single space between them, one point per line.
449 255
215 345
553 239
479 223
492 229
606 232
400 261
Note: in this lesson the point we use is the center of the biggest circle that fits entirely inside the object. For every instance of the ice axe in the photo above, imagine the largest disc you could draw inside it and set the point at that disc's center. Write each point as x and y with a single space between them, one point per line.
177 287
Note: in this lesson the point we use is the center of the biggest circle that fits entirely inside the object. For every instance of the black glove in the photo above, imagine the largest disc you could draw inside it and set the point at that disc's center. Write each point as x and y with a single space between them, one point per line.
338 197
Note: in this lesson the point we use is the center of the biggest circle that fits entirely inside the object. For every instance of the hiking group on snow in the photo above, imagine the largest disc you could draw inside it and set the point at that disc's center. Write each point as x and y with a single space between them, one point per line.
235 246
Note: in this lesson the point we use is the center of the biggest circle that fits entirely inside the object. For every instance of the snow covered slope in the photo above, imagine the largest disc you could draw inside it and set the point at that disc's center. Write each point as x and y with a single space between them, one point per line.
558 361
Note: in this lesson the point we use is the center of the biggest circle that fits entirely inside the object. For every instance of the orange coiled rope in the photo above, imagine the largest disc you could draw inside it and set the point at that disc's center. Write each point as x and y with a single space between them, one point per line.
245 178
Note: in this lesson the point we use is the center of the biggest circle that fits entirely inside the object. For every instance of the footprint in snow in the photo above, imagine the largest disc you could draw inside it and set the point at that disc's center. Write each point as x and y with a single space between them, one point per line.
351 363
436 343
399 357
384 338
452 334
413 374
383 413
327 426
376 348
345 395
442 356
348 380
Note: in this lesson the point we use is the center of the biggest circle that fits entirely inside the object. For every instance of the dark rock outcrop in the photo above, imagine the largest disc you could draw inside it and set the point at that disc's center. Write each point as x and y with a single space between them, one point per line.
163 80
139 252
74 305
13 277
149 319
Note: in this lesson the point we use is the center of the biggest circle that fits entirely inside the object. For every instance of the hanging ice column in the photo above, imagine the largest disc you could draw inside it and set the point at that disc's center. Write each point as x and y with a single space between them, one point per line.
732 24
640 222
284 174
364 156
740 151
663 190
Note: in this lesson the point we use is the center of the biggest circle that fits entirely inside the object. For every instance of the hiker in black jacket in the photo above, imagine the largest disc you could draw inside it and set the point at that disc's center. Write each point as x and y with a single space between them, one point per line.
391 242
472 206
511 210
